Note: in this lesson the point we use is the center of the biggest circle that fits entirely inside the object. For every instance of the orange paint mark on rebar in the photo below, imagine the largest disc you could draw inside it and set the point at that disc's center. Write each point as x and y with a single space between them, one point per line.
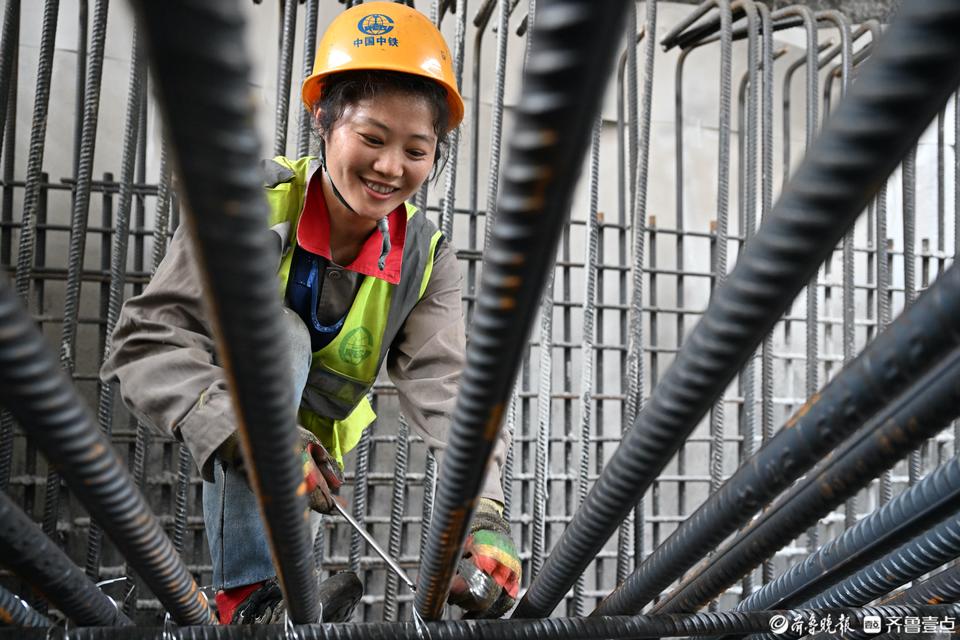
802 411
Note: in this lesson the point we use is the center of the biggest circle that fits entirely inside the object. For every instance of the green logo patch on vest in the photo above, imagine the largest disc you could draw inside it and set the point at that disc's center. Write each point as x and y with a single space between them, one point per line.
356 346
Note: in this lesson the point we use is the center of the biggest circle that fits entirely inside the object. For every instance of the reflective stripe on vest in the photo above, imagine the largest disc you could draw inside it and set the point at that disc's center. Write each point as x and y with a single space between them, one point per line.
334 404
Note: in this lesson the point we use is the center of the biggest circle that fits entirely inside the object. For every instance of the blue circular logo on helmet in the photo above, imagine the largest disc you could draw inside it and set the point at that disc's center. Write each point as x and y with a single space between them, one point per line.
375 24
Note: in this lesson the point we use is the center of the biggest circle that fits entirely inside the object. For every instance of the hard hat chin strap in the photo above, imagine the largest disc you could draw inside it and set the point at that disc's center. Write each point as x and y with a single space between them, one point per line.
382 225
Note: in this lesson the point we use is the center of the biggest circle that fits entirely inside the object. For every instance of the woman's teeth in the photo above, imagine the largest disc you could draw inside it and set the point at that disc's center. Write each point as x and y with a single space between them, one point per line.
379 188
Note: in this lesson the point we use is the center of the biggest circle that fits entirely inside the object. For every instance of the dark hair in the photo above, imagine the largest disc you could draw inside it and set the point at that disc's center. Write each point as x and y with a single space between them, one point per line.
341 90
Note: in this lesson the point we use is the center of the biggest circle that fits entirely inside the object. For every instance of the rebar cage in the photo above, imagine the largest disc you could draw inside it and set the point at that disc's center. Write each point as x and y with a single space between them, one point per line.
682 170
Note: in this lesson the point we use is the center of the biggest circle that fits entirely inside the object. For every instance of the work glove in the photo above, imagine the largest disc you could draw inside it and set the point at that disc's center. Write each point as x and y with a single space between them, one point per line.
320 472
488 576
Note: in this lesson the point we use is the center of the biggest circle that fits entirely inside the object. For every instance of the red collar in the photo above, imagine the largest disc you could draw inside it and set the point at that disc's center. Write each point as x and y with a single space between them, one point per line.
313 234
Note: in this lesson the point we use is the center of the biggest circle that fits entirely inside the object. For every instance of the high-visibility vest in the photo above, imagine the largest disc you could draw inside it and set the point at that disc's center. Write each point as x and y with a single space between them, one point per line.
334 404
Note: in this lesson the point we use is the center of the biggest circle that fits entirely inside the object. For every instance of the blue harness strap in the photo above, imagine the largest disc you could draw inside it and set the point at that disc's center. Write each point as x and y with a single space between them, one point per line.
303 293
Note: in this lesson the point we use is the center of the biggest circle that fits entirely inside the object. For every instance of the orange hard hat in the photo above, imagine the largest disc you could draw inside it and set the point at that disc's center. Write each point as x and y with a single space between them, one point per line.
386 36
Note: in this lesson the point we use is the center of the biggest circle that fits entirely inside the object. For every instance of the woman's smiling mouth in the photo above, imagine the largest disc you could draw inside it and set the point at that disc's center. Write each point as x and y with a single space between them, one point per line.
379 188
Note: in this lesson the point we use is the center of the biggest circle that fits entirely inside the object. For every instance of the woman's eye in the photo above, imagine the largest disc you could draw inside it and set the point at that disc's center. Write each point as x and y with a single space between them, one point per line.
370 139
417 153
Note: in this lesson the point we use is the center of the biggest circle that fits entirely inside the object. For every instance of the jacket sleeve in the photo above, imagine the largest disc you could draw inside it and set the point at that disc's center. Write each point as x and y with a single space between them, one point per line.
426 361
163 357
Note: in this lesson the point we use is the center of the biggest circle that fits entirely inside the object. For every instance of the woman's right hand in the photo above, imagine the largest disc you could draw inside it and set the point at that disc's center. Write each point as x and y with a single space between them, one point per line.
320 472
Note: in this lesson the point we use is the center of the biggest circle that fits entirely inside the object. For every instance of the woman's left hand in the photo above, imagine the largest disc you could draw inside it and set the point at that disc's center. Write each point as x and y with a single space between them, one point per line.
488 577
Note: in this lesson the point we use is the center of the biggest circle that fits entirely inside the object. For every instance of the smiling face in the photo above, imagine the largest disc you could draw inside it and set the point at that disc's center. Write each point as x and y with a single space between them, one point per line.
379 152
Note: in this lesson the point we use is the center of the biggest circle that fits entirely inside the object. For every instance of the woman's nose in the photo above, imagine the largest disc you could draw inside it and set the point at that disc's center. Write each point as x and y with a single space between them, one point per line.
389 162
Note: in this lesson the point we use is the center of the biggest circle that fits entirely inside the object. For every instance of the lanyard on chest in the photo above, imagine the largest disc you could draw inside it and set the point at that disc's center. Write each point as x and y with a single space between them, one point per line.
303 294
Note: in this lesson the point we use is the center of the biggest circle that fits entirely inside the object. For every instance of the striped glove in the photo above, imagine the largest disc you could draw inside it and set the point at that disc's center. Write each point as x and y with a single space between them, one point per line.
488 577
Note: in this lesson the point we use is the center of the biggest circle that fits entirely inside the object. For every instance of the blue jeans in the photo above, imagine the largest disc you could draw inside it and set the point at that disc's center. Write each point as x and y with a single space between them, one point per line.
238 543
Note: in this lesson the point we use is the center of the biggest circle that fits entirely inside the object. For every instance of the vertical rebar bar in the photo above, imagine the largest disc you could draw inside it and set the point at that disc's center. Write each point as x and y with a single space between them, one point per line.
38 134
9 43
589 320
288 30
450 188
6 215
626 537
748 374
541 492
766 203
723 202
640 211
909 182
81 196
9 144
305 119
397 502
496 121
118 259
360 485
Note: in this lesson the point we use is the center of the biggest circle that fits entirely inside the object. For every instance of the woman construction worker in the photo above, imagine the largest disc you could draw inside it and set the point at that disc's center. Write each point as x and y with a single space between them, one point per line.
366 279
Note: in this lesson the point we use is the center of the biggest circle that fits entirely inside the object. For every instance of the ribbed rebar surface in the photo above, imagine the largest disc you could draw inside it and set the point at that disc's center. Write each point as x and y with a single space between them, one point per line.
15 612
81 196
563 79
205 94
932 499
917 341
45 403
36 559
922 410
909 78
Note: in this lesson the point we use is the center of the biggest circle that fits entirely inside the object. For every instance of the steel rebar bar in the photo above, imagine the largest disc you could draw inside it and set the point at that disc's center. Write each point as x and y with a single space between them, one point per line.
43 400
26 550
186 44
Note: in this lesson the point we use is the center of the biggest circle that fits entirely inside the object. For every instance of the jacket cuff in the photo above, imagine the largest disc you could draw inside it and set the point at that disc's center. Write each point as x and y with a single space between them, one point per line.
206 426
492 484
